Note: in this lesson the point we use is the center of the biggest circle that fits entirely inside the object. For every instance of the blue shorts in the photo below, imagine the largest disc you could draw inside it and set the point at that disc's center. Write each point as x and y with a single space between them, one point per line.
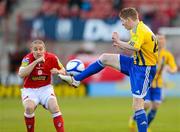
154 95
140 76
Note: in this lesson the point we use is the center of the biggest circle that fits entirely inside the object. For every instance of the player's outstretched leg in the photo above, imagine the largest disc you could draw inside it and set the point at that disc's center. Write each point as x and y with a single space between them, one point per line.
105 59
70 80
92 69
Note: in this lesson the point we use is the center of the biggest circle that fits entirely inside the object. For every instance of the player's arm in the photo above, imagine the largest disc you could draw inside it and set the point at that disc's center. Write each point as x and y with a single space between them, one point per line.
27 69
171 67
59 68
170 70
121 44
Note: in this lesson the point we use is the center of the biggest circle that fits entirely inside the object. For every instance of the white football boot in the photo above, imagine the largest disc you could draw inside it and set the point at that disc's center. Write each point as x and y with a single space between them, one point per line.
70 80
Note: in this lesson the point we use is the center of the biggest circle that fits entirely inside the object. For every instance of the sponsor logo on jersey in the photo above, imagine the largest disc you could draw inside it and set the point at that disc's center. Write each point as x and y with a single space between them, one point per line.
39 78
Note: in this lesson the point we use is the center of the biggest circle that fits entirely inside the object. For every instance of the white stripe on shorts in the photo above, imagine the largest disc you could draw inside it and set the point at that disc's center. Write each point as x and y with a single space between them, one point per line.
146 81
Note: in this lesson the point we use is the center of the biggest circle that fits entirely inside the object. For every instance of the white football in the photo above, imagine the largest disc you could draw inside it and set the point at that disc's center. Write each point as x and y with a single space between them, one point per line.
74 67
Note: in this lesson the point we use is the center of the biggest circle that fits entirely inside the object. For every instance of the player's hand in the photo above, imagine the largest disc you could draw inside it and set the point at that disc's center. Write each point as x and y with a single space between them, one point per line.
115 36
115 39
41 59
56 71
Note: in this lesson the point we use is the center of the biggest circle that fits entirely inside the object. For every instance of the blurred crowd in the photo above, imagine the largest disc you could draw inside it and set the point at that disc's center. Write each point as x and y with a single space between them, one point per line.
85 9
6 7
155 13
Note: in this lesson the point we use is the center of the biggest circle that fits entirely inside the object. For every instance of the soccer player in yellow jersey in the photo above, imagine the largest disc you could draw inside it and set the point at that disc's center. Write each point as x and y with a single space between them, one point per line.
154 96
141 68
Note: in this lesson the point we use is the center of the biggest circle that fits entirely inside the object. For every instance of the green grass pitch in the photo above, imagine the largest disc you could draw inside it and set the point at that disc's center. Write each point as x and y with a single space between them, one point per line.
89 115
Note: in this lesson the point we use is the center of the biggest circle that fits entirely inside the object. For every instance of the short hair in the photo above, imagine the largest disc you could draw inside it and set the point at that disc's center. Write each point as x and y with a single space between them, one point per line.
38 41
129 12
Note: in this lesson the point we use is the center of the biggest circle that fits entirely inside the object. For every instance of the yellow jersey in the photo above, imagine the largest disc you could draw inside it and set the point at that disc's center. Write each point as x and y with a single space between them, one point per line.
144 39
165 58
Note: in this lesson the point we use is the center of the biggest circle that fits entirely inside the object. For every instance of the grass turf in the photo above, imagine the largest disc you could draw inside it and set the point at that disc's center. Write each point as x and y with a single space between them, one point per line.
89 115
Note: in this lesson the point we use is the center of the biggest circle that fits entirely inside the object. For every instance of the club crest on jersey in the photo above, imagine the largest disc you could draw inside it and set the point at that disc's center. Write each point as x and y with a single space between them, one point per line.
39 72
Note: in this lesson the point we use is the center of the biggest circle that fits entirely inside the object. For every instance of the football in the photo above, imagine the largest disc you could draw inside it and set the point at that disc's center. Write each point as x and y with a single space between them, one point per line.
74 67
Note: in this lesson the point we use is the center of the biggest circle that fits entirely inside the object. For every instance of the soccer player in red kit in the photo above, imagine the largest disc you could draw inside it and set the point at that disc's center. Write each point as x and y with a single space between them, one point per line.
36 70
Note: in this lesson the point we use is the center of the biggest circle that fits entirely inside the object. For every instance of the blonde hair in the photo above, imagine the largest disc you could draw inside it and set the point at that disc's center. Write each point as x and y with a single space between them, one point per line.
129 12
38 41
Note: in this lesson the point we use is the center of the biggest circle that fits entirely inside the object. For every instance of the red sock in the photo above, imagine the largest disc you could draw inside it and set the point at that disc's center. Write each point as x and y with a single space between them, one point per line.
29 124
59 123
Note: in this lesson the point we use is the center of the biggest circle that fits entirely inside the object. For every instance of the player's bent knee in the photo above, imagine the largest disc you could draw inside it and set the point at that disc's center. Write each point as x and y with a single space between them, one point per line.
53 108
104 58
155 106
29 106
147 105
29 109
111 60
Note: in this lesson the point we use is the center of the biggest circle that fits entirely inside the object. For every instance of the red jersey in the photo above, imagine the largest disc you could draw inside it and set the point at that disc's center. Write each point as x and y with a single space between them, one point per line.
41 75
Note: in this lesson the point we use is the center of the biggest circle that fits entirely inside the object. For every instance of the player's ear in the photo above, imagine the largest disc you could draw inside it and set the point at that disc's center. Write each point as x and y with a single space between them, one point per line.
44 49
129 19
31 48
44 46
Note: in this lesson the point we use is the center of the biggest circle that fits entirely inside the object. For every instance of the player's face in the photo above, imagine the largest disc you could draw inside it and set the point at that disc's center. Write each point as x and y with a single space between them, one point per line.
161 40
38 50
127 23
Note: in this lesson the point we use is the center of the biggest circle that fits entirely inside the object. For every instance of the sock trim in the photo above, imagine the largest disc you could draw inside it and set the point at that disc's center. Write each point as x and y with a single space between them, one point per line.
139 112
29 115
100 63
56 114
